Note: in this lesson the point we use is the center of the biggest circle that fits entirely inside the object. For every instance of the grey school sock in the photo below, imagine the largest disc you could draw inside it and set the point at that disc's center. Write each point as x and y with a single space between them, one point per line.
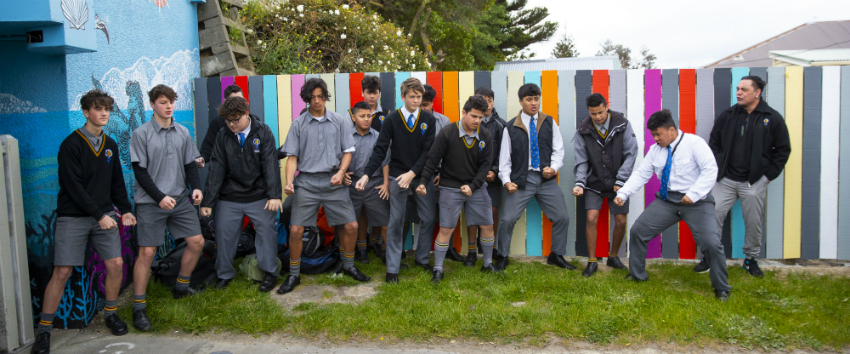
295 267
440 250
109 308
487 245
46 322
182 282
361 245
473 247
347 260
139 302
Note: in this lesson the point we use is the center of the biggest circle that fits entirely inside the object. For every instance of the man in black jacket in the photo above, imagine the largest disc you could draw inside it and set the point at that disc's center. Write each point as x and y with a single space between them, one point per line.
606 149
244 180
216 124
751 146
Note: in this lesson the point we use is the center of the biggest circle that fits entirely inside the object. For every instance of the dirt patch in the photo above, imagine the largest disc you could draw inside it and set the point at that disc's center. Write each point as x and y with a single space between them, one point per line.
326 294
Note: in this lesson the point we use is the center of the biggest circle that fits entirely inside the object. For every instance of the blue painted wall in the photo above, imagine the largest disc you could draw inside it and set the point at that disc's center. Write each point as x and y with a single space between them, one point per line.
150 42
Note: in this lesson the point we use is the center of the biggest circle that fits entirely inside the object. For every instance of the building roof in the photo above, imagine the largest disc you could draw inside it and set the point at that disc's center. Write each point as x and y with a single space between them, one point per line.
816 35
611 62
811 57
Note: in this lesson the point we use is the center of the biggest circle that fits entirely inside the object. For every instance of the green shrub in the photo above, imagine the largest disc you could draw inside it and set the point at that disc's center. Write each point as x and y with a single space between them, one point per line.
320 36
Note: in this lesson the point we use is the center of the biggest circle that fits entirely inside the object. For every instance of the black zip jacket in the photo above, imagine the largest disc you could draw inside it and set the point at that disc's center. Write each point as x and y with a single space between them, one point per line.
771 144
212 131
496 127
244 174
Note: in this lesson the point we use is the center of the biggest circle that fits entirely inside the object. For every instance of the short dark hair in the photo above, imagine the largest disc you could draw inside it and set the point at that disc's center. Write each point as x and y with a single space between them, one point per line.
476 102
162 90
529 90
371 83
660 119
430 94
233 107
310 86
359 106
485 91
229 90
96 98
595 100
758 82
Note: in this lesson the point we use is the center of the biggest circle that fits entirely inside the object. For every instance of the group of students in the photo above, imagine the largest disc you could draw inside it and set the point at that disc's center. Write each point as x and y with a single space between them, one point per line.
363 169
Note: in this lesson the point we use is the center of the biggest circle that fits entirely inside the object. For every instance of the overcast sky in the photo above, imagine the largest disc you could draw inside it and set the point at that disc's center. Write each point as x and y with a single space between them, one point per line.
682 34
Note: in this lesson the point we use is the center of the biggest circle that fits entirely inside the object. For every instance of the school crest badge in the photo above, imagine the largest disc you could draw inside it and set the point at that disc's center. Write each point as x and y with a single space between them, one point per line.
423 127
766 121
381 118
256 143
481 146
108 155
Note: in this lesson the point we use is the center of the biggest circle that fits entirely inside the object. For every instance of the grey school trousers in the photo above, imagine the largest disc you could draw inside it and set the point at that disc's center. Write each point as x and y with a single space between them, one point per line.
726 192
426 207
551 201
228 226
660 215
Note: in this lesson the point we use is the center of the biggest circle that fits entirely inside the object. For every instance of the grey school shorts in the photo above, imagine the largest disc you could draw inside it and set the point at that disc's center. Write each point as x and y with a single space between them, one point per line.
377 209
182 221
593 201
477 209
73 234
313 190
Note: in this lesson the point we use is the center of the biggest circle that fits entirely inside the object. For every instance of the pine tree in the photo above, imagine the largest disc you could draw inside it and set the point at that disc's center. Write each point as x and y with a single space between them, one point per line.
565 48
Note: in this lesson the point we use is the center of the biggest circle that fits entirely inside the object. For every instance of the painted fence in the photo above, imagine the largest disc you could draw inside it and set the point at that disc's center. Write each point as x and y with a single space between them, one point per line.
804 204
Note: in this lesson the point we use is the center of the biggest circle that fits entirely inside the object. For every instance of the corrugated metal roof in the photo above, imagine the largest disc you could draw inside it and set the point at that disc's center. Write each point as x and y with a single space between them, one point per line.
581 63
815 55
817 35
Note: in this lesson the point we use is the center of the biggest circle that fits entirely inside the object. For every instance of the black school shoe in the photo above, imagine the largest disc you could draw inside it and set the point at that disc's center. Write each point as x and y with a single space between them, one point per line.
356 274
141 321
752 267
702 266
470 260
634 279
559 261
377 249
269 280
222 283
500 263
114 323
722 295
614 262
289 284
489 269
392 278
179 294
361 256
437 277
425 266
453 255
590 270
42 344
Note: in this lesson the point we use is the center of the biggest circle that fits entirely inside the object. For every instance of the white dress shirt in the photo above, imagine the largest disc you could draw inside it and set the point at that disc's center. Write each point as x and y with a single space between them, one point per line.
557 157
406 114
246 131
693 173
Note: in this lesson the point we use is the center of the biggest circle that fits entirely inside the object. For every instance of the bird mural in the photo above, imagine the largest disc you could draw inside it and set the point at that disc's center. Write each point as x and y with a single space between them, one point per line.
76 12
100 25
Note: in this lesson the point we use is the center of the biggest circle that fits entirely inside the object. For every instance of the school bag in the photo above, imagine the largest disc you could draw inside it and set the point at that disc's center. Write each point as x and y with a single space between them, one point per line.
168 268
250 267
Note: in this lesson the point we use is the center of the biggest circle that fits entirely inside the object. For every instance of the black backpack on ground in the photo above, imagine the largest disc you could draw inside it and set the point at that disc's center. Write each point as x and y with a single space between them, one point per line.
168 268
246 241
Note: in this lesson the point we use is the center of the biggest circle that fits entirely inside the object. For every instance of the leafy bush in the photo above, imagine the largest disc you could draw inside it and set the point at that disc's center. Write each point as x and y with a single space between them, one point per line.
320 36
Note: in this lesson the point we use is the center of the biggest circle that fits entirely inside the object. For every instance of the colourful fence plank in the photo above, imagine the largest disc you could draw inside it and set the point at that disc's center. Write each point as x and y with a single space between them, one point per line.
812 115
670 100
635 113
226 81
451 96
566 179
652 104
762 73
617 102
356 89
399 78
465 88
722 101
584 88
794 166
297 82
737 215
601 85
829 162
533 213
515 80
242 82
688 124
284 116
549 85
342 97
843 241
499 84
389 86
421 75
270 105
435 79
255 87
775 204
329 80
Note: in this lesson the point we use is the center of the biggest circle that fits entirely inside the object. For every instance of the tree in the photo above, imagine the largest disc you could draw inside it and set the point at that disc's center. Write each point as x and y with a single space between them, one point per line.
621 51
565 48
526 26
648 61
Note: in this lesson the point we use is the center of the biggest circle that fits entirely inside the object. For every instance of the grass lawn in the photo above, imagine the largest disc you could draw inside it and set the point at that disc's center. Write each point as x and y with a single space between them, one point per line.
675 305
